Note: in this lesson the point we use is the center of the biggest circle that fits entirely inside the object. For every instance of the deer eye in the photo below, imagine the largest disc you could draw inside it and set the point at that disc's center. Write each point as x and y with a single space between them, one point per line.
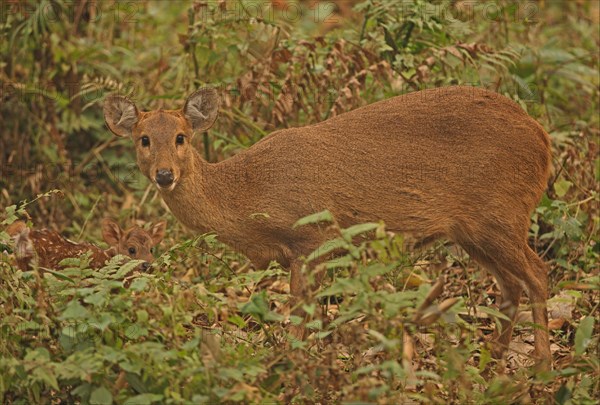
180 139
131 250
145 141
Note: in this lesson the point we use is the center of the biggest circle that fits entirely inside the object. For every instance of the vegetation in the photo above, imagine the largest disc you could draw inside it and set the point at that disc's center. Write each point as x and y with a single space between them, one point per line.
204 326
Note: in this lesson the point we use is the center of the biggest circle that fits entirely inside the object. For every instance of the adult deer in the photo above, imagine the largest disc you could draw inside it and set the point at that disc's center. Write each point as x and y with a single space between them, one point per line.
460 163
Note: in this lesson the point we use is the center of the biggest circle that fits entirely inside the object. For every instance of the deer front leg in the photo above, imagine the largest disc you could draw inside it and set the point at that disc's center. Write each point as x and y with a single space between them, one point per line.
298 294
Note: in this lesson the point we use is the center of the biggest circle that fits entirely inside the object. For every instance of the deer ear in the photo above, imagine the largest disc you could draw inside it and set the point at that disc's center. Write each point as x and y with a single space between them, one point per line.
201 108
111 232
157 232
120 114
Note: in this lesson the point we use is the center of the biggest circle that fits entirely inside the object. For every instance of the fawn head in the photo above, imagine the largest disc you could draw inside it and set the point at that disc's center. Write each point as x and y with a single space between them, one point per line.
162 138
134 242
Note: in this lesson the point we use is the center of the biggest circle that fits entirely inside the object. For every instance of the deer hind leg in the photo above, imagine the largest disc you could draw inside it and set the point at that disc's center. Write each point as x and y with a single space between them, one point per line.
510 290
515 267
525 265
536 285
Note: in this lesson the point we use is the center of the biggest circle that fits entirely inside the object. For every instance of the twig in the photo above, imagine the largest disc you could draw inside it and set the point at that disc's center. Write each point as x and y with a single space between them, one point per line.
364 24
96 150
562 166
411 26
88 216
548 248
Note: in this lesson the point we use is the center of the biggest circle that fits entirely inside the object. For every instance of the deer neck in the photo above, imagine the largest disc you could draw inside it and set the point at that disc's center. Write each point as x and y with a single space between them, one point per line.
200 201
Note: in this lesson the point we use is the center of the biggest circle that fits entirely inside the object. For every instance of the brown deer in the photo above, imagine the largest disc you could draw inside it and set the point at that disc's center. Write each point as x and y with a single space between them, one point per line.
48 248
460 163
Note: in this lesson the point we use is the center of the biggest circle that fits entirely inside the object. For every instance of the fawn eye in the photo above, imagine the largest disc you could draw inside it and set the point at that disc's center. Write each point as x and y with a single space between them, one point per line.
145 141
131 250
179 140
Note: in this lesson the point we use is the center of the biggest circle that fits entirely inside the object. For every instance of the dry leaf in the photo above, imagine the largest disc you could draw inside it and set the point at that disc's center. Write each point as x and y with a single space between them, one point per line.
561 306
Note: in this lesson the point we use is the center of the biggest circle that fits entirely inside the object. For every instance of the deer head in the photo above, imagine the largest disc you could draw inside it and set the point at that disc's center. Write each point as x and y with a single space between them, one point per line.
134 242
162 138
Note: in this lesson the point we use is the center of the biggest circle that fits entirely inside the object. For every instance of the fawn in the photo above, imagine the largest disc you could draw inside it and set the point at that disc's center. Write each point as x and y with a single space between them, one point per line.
48 248
460 163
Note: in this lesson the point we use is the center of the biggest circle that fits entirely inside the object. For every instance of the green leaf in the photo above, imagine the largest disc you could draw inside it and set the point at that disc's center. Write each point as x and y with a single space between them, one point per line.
139 284
323 216
492 312
133 379
231 373
354 230
135 331
309 308
555 55
43 374
562 395
38 354
315 324
561 187
583 335
258 306
77 262
126 268
323 334
237 321
340 262
101 396
296 320
143 399
96 299
341 286
104 321
75 310
485 357
387 343
59 275
141 315
328 247
83 391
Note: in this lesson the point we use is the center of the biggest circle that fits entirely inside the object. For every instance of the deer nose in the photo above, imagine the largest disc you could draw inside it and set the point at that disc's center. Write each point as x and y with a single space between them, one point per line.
145 266
164 177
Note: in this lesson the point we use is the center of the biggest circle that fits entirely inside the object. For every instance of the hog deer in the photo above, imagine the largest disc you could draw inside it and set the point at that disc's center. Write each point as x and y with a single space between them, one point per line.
459 163
48 248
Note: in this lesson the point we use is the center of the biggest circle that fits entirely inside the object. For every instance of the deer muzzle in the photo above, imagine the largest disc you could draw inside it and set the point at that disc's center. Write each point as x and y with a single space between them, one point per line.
164 178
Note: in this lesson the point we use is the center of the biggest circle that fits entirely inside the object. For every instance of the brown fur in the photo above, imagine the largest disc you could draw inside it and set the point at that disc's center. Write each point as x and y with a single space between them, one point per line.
460 163
48 248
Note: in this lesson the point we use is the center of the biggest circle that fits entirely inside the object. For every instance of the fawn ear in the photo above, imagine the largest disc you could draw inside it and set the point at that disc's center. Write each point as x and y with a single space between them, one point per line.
120 114
157 232
201 108
111 232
